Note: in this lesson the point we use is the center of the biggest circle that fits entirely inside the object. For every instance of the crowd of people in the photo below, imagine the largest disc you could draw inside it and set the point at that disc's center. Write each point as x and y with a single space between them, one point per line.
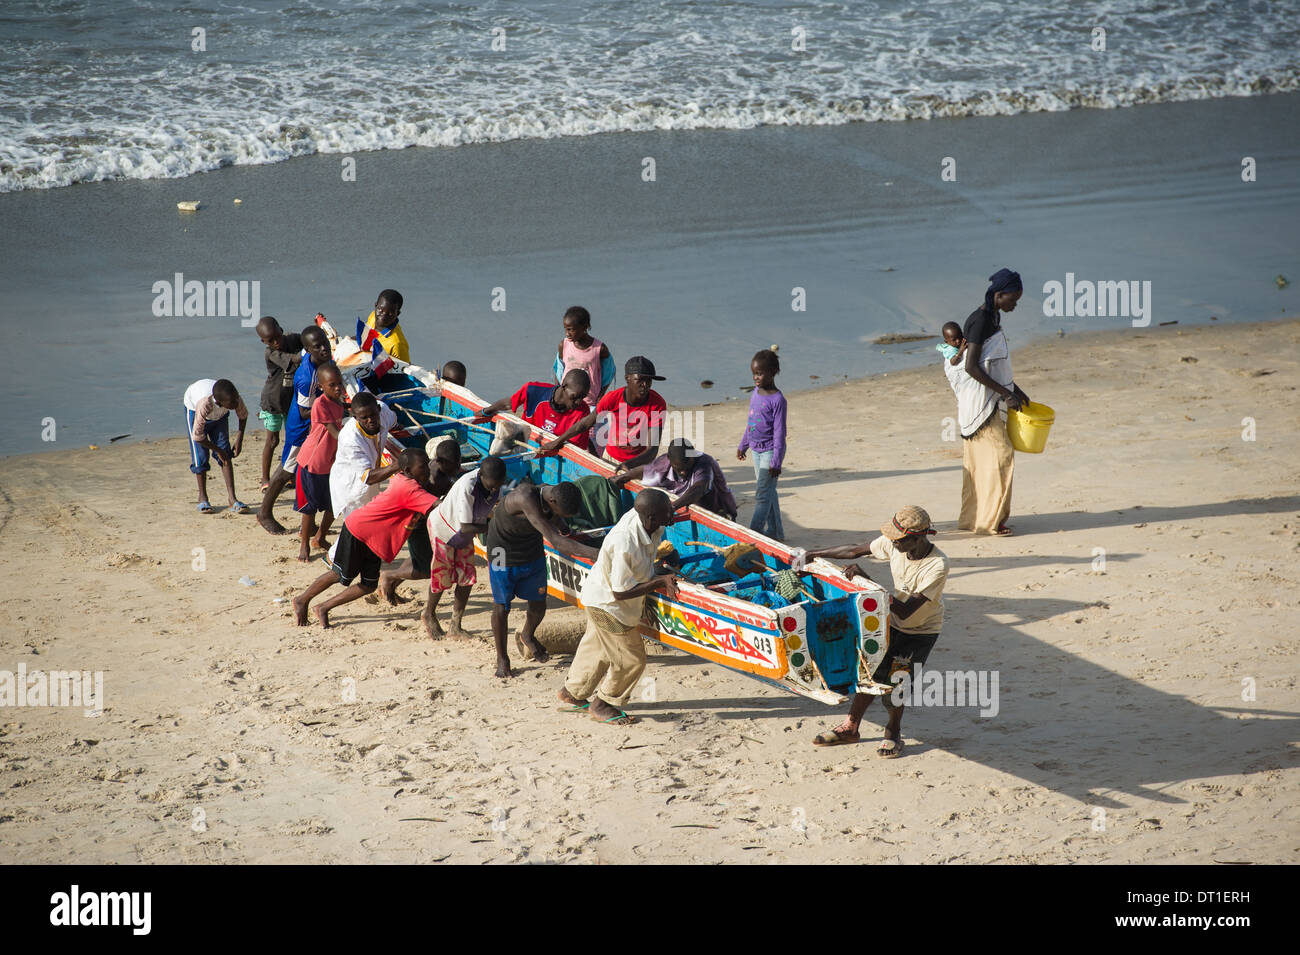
348 470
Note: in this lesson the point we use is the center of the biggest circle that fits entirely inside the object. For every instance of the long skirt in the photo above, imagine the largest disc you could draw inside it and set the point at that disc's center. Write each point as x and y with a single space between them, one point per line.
987 464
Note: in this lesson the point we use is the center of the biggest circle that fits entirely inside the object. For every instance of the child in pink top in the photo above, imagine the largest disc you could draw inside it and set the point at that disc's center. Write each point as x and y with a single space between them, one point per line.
578 349
316 457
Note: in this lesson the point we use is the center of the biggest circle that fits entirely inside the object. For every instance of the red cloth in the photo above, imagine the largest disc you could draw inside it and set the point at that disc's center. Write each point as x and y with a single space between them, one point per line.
386 522
317 451
630 427
534 403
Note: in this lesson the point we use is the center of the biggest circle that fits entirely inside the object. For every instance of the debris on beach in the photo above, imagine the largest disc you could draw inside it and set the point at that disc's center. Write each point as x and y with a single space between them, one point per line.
898 338
1174 322
1281 281
706 383
190 205
247 581
118 438
94 447
1188 359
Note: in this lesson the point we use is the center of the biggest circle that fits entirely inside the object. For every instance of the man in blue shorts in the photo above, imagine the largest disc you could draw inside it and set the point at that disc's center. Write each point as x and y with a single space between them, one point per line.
516 555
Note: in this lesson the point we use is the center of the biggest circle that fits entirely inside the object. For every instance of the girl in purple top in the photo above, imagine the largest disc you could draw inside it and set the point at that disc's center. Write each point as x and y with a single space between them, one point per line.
765 436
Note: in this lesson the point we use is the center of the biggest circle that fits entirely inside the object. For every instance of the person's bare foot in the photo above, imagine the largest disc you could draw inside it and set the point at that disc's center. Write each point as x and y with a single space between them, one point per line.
602 712
300 611
456 631
531 649
304 553
388 590
503 669
320 543
270 524
322 617
431 626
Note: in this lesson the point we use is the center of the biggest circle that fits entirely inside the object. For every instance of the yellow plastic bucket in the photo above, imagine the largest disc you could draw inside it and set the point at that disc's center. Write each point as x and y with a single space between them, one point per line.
1028 427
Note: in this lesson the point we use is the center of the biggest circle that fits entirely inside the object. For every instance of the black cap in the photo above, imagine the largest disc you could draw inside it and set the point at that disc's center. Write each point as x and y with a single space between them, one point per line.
641 365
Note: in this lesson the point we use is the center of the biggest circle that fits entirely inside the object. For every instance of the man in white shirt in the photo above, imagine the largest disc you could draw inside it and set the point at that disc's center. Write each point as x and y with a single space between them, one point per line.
611 657
920 571
356 474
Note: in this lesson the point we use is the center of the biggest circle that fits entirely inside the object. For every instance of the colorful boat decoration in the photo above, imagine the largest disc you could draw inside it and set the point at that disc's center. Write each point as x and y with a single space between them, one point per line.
823 645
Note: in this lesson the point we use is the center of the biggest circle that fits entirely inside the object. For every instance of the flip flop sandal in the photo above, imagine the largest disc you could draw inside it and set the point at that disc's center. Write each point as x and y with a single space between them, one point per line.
621 719
263 486
239 507
580 708
207 508
835 738
894 750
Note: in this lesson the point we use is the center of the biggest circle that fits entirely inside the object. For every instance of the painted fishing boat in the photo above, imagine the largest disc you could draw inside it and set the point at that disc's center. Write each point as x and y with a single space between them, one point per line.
808 630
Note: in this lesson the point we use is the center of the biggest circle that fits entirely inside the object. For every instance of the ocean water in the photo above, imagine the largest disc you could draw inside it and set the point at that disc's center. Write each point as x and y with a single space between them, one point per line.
779 178
107 90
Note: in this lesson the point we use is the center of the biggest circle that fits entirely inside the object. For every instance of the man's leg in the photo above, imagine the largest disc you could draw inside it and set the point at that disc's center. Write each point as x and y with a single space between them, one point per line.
355 592
202 477
279 481
500 617
847 732
431 625
321 584
625 653
326 519
530 646
459 603
228 473
304 539
268 454
587 669
389 580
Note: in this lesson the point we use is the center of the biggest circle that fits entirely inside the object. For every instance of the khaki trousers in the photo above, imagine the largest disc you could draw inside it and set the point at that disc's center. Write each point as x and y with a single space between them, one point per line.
987 464
607 663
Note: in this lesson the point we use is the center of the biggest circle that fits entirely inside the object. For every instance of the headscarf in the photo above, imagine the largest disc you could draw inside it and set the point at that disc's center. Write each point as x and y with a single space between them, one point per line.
1003 280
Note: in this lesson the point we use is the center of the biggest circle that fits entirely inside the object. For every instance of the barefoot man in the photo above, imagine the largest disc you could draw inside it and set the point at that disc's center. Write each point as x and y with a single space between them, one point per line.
522 523
611 657
461 514
915 615
446 471
371 536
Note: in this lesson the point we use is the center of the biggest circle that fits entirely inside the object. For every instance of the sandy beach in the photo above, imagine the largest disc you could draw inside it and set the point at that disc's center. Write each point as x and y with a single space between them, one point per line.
1142 622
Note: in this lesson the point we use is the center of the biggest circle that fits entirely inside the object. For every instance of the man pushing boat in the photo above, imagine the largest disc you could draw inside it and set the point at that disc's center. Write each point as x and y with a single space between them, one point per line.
517 532
920 571
611 657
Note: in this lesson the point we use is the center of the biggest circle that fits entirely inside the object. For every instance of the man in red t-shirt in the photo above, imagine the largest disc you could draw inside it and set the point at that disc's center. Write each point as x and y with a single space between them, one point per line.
634 418
372 535
553 408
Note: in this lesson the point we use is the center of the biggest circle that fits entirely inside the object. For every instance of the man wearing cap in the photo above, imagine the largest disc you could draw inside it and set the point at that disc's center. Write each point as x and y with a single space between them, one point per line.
920 571
633 419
